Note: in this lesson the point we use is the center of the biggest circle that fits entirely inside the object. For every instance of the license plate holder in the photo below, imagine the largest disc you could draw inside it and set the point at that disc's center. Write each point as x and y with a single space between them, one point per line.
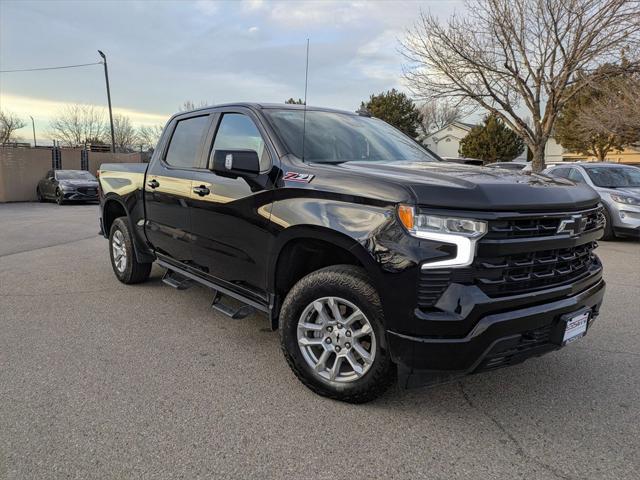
572 326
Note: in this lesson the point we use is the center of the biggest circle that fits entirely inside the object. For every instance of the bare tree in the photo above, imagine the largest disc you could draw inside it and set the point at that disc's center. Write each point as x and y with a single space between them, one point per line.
77 124
9 123
148 136
191 105
124 133
600 118
520 58
437 114
617 111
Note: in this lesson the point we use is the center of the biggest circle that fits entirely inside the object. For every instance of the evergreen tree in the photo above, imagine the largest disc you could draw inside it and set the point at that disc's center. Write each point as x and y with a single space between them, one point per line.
492 142
396 109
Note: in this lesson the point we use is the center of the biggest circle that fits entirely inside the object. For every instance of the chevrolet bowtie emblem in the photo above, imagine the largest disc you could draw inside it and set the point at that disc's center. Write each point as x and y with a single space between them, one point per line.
573 225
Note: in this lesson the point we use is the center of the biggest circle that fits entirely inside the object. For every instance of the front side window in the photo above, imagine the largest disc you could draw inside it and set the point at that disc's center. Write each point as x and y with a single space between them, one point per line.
186 141
238 132
576 176
560 172
331 137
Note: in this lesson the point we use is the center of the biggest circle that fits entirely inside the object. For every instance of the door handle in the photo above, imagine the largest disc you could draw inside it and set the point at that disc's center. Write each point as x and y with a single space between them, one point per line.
201 190
153 183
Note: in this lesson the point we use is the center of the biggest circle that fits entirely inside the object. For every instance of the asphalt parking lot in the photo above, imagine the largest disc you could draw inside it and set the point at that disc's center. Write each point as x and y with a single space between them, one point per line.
103 380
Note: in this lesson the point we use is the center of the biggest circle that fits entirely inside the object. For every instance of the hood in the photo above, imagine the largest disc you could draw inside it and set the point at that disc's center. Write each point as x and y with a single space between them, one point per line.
450 185
633 191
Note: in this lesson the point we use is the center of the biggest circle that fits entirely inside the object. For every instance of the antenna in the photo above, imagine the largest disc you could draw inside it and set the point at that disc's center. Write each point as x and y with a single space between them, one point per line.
304 112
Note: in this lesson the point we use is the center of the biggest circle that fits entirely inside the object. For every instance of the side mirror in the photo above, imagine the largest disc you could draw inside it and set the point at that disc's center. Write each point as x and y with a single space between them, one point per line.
236 163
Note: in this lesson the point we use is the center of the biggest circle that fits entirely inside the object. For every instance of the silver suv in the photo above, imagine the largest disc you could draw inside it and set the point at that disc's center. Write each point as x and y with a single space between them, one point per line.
619 189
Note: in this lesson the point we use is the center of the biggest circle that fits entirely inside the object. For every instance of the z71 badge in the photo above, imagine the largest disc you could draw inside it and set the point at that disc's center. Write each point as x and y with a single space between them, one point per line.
298 177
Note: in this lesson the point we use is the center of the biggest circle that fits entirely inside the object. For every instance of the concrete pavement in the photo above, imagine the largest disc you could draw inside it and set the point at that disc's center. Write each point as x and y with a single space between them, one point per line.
103 380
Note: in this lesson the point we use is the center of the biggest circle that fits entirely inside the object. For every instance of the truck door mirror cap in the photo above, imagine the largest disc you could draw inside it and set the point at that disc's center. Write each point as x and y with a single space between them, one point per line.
236 163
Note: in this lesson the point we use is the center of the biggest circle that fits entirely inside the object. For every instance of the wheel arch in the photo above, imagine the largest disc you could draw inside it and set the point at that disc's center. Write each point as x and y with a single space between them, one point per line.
113 208
302 249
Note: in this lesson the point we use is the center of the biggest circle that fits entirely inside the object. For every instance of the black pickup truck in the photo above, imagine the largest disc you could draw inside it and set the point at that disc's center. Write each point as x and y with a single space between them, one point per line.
374 258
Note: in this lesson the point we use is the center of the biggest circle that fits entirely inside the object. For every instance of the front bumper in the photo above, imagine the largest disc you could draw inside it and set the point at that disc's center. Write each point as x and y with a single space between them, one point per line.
75 196
498 339
626 220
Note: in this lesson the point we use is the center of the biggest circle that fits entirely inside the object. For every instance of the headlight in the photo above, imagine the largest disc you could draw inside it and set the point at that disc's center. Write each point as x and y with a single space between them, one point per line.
625 199
461 232
417 223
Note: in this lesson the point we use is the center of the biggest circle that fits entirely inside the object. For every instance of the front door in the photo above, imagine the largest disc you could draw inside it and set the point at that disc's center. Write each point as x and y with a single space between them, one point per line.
168 187
229 224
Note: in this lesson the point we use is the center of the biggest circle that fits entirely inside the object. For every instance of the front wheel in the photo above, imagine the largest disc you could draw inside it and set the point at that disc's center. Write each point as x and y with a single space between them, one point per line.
123 257
59 197
332 335
608 226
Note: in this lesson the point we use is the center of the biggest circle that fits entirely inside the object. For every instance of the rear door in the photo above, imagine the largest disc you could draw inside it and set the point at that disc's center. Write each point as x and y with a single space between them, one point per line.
168 186
230 224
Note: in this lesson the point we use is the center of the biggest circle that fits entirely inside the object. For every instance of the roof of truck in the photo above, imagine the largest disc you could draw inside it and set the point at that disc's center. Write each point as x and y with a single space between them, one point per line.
272 106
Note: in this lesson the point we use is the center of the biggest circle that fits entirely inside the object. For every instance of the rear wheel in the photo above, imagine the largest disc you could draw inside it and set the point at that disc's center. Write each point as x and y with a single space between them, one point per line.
332 335
39 195
123 257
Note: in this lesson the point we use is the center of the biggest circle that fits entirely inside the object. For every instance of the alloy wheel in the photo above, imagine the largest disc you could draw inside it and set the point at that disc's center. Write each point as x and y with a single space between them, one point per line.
336 339
119 251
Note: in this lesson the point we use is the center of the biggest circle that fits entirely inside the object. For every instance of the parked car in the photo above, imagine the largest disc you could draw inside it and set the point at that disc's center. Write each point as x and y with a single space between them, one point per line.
516 166
619 190
373 257
463 160
68 186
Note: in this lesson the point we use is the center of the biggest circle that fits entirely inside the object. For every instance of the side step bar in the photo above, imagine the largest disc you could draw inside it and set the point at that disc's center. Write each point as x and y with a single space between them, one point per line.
175 280
234 313
178 277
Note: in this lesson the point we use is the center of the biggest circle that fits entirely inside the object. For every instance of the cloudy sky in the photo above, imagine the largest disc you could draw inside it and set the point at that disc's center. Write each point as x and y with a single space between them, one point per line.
163 53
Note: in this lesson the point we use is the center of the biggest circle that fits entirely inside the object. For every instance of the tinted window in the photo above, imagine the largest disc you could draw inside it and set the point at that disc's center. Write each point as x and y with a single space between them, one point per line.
576 176
331 137
560 172
238 132
185 142
614 177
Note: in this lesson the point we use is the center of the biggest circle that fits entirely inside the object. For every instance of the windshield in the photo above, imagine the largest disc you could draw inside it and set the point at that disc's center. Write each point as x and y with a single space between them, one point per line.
337 137
614 177
74 175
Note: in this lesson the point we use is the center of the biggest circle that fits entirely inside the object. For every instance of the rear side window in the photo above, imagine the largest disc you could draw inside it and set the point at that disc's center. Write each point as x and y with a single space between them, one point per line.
186 141
238 132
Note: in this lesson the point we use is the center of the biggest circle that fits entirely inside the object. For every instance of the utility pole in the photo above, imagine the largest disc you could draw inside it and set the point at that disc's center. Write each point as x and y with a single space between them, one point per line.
33 124
106 77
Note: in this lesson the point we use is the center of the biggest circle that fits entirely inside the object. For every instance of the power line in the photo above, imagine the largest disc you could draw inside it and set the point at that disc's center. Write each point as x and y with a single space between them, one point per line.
50 68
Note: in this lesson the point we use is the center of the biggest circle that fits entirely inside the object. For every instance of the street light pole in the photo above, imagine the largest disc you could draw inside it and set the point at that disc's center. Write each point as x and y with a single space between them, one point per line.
33 124
106 77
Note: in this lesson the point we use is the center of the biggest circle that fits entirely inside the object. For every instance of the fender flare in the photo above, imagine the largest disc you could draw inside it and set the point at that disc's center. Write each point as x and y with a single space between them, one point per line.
142 253
324 234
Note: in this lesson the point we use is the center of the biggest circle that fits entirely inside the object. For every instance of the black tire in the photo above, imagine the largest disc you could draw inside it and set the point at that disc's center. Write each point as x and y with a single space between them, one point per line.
352 284
133 271
609 234
59 197
39 195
